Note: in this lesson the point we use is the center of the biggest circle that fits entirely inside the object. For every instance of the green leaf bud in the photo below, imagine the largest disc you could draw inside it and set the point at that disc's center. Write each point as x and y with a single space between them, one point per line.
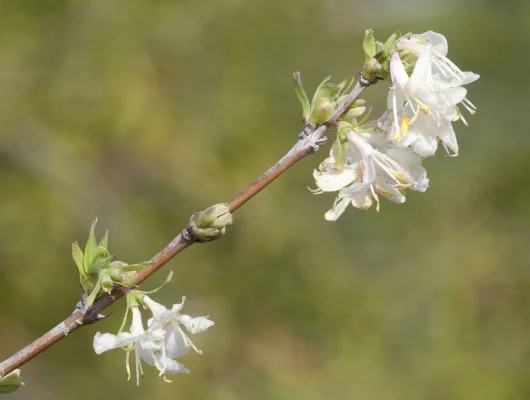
369 44
324 109
371 70
11 382
210 224
302 96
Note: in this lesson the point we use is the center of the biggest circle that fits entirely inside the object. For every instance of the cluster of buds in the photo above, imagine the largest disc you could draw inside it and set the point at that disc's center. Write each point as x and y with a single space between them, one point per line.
210 224
327 98
98 271
162 341
384 156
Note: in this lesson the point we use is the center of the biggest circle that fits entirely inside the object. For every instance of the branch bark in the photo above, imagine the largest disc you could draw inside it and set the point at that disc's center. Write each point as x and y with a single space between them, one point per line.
309 141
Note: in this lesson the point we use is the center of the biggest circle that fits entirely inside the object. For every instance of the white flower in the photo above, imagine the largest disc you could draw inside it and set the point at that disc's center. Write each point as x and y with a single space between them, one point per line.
148 346
370 165
424 104
177 342
443 67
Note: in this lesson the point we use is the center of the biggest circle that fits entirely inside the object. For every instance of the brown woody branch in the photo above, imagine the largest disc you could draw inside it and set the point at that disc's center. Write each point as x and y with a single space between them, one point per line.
309 141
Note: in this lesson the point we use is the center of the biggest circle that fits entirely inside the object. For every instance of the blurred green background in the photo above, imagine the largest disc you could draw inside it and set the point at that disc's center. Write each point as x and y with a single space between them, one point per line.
141 112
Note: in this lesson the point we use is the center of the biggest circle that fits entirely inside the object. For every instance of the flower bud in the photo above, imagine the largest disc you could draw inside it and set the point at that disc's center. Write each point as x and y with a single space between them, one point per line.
371 69
209 224
323 111
354 112
11 382
107 283
120 275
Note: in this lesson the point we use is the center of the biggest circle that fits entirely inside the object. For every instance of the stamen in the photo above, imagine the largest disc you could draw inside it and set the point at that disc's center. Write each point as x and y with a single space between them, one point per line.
382 191
127 366
466 100
460 116
391 173
376 197
394 106
138 366
469 106
404 126
188 342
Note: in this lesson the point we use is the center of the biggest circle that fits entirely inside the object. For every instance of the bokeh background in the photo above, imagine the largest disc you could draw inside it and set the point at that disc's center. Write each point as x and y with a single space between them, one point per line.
141 112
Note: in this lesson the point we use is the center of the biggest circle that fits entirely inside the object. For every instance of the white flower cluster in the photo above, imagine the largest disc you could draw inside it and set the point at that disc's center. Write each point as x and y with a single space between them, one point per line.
162 342
387 160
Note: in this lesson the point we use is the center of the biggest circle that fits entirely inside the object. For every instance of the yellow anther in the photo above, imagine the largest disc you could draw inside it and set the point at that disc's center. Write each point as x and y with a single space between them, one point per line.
382 191
404 127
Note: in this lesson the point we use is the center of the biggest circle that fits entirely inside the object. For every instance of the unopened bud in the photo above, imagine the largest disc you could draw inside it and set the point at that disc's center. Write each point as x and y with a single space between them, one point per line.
354 112
11 382
107 283
323 111
358 103
210 224
120 275
371 70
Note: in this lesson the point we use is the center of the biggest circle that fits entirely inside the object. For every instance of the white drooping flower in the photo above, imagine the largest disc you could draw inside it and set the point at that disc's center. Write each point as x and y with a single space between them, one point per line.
443 67
177 342
147 345
423 106
368 166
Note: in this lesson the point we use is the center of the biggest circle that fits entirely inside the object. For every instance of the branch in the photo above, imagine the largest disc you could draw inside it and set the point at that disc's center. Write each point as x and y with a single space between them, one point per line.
309 141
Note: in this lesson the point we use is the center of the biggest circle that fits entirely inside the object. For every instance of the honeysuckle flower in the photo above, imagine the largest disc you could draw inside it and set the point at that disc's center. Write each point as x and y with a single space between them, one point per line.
443 67
369 165
177 342
426 98
149 346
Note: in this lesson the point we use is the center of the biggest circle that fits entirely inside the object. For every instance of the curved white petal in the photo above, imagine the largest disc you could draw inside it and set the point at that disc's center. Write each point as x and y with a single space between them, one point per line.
363 202
397 70
107 341
338 208
197 324
333 181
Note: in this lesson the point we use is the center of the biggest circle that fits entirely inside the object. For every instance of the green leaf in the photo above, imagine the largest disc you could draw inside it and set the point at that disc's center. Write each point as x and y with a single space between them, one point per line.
91 246
369 44
302 96
348 85
77 255
101 264
365 117
134 267
105 241
94 293
388 47
319 92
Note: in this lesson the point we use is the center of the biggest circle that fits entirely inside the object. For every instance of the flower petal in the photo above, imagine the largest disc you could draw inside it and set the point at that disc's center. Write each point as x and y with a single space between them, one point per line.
197 324
338 208
107 341
336 180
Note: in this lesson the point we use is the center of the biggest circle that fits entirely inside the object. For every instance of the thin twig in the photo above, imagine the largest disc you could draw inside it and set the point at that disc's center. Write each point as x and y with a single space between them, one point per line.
309 141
